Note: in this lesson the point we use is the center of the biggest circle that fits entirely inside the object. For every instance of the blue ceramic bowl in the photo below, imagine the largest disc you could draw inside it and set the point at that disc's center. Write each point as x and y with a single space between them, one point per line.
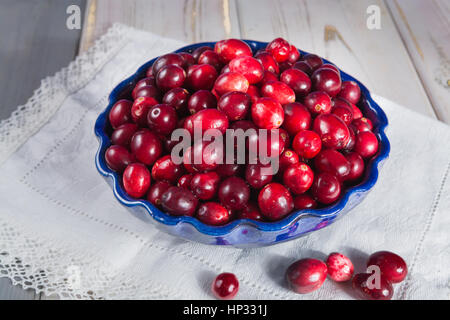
242 233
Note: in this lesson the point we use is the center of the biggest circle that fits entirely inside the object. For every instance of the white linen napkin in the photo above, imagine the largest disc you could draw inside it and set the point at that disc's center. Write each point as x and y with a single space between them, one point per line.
62 231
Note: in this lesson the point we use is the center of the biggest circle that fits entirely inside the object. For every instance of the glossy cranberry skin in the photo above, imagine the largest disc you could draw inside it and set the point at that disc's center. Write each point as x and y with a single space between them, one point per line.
177 98
197 52
212 58
225 286
360 286
179 202
156 191
118 158
170 77
334 162
366 144
392 267
149 81
356 112
235 105
268 76
267 113
304 201
201 77
351 142
150 91
185 181
213 214
313 61
340 268
344 113
326 188
253 92
250 211
188 59
306 275
268 62
140 109
362 124
167 60
298 80
279 49
298 178
205 157
318 102
122 135
287 158
136 180
165 169
356 166
210 119
331 67
307 144
248 128
294 54
230 81
303 66
230 49
188 160
251 68
275 201
146 146
274 145
200 100
162 119
279 91
296 118
350 91
332 130
229 169
120 113
205 185
234 193
258 175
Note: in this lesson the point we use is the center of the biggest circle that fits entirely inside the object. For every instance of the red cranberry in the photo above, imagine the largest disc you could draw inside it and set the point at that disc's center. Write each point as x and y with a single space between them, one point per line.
303 66
162 119
205 185
165 169
232 48
326 188
201 77
179 202
150 91
307 144
250 211
225 286
202 99
392 267
231 81
313 61
229 169
330 67
118 158
296 118
170 77
287 158
234 193
156 191
356 166
188 160
275 201
268 76
318 102
297 80
334 162
279 49
177 98
253 92
213 214
274 145
362 124
332 130
267 113
235 105
120 113
304 201
205 156
351 142
146 146
149 81
340 268
366 144
356 112
209 119
294 54
185 181
197 52
140 109
122 135
306 275
344 113
361 283
298 177
251 68
268 62
212 58
279 91
285 65
258 175
350 91
136 180
170 59
188 59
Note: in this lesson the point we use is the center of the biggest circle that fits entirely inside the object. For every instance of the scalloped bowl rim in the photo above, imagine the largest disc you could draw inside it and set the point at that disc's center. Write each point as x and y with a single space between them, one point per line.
162 217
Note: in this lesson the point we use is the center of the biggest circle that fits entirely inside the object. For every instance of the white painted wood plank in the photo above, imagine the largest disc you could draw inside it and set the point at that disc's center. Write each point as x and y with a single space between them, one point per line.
337 30
425 29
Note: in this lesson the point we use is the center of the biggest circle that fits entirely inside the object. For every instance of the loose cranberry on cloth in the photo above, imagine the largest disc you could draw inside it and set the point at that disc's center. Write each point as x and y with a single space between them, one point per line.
68 217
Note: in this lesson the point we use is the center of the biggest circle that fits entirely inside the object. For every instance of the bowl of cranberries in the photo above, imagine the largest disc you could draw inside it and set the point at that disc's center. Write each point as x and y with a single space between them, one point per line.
240 143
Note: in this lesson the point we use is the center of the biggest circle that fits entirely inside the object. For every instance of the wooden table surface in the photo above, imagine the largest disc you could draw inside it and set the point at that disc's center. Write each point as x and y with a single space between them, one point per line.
405 60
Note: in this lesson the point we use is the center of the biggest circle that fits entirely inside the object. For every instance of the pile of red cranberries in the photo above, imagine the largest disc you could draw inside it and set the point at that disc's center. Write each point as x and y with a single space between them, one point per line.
323 146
